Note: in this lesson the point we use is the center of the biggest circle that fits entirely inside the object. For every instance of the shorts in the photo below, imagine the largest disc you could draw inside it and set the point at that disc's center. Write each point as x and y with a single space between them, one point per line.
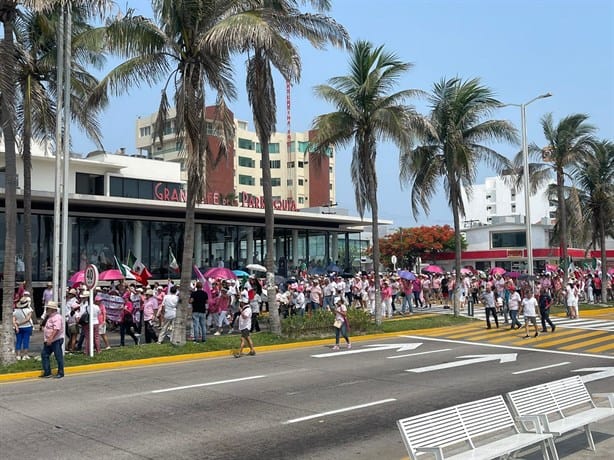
73 329
102 328
245 333
530 319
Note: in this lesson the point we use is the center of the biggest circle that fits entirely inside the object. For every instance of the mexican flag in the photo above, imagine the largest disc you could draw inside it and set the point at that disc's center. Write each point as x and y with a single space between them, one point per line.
138 269
126 272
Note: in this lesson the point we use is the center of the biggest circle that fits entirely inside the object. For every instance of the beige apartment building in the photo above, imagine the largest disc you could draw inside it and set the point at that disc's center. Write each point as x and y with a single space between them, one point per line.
297 176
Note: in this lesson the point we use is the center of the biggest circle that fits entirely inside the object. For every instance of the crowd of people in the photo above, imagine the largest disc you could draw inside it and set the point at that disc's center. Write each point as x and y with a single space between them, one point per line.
224 306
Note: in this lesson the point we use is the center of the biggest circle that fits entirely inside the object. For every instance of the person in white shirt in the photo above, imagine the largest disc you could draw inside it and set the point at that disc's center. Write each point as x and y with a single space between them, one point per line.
245 324
169 312
529 309
514 306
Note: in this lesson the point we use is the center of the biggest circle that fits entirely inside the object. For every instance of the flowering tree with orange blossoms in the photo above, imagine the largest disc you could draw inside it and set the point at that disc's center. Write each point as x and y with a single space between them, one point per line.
409 243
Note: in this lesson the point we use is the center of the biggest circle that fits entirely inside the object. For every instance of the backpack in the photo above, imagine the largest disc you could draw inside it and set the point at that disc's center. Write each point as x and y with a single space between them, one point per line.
84 320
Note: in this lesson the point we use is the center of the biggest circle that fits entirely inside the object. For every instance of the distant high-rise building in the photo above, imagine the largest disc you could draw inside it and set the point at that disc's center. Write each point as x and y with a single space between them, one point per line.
297 175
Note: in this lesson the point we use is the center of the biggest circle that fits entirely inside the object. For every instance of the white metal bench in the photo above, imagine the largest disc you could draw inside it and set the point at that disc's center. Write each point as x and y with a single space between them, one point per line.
562 406
481 429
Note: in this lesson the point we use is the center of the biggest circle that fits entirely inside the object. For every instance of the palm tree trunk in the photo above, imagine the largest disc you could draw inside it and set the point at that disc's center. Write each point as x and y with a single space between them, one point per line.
27 194
269 232
458 248
560 182
376 251
7 114
604 259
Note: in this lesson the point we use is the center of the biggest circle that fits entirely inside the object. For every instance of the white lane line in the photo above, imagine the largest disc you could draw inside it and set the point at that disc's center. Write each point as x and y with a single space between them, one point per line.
526 371
509 347
421 353
219 382
338 411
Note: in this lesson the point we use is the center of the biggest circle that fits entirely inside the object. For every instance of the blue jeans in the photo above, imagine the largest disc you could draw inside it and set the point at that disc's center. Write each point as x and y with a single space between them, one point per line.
343 330
56 349
514 318
407 304
199 321
22 338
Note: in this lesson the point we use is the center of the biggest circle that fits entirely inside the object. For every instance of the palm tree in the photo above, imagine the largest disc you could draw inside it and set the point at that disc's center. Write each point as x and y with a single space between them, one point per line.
177 49
595 177
460 117
567 142
8 111
37 62
368 112
267 40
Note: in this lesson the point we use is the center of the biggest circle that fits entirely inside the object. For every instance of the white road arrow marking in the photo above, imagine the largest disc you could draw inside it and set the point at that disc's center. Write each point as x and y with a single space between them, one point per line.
471 359
598 373
369 348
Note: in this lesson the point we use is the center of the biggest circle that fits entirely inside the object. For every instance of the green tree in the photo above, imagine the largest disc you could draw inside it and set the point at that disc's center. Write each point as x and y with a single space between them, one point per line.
178 48
595 178
267 30
367 112
36 76
460 118
567 142
8 111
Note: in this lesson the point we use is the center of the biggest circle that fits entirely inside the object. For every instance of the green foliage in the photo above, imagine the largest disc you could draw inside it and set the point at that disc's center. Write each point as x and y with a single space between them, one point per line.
320 324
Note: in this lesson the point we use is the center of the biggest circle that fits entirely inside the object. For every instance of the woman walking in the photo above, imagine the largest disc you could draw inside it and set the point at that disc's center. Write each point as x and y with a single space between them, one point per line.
341 323
22 322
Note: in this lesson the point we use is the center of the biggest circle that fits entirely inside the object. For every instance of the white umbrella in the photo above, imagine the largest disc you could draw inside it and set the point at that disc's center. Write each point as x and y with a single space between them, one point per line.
256 268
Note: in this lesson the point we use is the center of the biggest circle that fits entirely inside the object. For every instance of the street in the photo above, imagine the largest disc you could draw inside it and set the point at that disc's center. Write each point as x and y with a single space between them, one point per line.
304 403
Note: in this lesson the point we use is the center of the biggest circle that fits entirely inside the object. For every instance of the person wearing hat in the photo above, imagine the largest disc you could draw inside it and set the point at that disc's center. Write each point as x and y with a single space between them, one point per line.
48 293
53 338
22 322
341 323
245 324
150 309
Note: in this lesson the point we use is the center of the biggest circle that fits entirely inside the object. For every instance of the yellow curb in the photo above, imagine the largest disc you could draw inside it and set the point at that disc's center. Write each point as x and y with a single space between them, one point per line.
16 376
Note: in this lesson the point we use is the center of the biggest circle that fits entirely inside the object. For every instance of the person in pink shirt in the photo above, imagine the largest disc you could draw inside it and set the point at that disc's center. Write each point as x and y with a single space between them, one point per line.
386 299
53 338
316 295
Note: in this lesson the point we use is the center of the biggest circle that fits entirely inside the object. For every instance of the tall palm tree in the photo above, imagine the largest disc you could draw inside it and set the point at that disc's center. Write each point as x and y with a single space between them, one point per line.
462 127
367 111
270 26
567 142
595 178
176 49
8 13
37 62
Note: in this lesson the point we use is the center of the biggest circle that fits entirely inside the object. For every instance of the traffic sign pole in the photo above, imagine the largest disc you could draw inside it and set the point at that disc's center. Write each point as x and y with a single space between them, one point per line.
91 281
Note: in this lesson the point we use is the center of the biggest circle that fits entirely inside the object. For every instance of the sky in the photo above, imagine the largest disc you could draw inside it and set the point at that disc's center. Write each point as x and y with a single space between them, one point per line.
518 48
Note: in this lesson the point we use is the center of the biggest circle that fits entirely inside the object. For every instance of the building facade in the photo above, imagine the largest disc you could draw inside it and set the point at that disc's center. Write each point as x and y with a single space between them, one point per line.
296 174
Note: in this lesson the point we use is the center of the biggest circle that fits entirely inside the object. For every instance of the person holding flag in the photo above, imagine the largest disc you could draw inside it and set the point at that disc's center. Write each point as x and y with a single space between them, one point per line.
172 261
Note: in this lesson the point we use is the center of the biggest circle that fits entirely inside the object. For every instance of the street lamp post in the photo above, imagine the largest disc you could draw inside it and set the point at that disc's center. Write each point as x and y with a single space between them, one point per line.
525 177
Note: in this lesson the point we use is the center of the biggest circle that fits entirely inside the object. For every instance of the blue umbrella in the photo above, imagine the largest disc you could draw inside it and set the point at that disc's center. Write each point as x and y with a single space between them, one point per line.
240 273
316 271
406 275
334 268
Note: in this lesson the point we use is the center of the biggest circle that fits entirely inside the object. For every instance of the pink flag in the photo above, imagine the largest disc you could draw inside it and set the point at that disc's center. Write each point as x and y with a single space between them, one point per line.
200 277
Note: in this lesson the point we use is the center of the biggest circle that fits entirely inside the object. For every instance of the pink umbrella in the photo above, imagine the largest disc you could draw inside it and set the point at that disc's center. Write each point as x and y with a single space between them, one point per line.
611 271
113 274
220 272
497 271
78 277
432 269
466 271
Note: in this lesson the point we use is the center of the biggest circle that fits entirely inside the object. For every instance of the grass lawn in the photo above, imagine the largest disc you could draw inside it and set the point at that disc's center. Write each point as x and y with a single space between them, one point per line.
225 342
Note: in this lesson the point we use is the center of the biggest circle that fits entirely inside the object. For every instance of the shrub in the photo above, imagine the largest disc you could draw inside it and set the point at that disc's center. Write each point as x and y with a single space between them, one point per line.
320 323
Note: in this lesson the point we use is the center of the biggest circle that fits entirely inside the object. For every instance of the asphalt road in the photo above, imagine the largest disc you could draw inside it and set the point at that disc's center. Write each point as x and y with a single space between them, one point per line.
307 403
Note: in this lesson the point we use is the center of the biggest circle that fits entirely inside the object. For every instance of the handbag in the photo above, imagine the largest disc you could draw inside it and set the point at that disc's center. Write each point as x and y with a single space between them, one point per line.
338 323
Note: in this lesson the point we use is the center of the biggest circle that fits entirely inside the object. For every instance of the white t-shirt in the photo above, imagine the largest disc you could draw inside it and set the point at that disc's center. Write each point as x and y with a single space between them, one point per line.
245 319
515 301
170 306
529 306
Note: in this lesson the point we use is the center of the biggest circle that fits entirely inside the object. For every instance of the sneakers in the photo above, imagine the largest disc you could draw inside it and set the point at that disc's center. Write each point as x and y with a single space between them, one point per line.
536 334
336 347
526 337
553 327
217 333
237 355
349 346
252 353
45 376
18 358
58 376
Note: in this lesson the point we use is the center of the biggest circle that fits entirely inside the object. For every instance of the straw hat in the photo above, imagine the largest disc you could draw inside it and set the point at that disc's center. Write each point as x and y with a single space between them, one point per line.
24 302
52 305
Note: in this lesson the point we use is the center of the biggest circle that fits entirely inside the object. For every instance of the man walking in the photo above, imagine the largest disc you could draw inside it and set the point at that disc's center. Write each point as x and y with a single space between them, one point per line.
544 309
53 338
529 309
198 300
488 299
